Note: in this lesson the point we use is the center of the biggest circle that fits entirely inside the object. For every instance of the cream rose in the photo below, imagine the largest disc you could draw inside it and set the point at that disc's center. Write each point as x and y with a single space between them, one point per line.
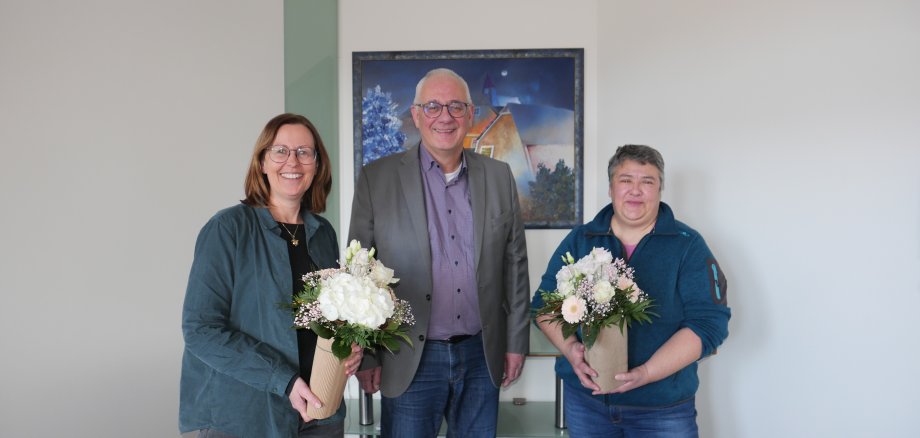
603 292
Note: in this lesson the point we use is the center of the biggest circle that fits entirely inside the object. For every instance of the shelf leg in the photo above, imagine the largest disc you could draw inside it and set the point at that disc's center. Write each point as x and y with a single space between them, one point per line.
366 407
560 411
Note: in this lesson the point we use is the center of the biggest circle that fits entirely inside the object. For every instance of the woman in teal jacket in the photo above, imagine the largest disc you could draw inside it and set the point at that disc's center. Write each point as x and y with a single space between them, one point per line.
675 268
245 369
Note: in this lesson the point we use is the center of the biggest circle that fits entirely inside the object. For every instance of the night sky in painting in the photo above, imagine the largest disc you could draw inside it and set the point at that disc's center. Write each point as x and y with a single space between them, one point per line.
543 81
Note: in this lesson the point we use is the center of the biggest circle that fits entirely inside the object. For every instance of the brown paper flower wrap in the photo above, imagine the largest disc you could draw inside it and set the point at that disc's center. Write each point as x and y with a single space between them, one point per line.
327 380
597 298
608 356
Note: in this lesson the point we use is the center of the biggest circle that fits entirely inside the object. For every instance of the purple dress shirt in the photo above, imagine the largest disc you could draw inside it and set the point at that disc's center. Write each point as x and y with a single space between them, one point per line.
454 300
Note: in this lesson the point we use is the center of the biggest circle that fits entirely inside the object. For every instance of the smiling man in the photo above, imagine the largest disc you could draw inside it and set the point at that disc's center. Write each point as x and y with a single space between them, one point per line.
447 220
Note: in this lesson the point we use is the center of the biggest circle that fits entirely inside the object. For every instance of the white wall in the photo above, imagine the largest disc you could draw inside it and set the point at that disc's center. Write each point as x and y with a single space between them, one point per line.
125 125
790 132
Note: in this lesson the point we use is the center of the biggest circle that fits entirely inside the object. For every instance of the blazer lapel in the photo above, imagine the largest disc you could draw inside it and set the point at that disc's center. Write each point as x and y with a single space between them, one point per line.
414 195
477 182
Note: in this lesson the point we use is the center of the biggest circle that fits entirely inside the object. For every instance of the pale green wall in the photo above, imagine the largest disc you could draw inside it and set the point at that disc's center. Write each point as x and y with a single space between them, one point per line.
310 77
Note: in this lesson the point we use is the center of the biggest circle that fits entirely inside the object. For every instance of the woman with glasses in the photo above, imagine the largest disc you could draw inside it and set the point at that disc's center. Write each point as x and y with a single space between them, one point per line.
245 369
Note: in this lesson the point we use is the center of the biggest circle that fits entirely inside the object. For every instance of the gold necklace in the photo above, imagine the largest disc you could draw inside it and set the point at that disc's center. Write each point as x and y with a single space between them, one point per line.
294 240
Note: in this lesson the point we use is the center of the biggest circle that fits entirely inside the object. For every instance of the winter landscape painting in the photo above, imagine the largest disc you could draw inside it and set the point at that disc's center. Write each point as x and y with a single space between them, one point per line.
528 113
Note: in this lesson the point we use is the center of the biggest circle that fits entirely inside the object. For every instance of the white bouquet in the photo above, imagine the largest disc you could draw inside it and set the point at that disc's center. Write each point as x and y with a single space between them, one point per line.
353 304
598 297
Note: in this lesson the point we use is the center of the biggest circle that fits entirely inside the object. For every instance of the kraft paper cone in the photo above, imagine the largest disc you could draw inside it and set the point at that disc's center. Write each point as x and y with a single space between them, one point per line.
608 356
327 380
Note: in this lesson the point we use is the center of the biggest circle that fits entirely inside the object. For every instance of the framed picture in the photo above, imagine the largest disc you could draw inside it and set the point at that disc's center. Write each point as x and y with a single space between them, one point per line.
528 113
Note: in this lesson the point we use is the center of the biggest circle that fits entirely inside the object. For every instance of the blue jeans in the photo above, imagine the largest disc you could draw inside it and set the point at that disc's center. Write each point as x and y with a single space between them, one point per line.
589 417
452 381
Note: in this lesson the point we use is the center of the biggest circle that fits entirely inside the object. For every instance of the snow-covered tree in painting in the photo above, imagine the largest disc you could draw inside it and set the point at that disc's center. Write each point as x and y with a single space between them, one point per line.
380 125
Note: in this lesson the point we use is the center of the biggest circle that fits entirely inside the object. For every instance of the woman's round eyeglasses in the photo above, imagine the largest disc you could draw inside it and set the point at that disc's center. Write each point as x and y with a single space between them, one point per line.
279 153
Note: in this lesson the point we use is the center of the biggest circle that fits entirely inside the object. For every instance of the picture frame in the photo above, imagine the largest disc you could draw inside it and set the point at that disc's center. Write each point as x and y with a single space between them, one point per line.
528 112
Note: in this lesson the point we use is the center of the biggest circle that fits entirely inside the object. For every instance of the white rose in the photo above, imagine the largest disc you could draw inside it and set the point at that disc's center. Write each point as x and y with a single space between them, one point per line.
382 275
603 292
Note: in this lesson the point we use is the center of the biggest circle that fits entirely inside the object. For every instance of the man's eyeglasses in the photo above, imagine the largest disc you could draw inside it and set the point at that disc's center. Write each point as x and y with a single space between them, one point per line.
455 108
279 153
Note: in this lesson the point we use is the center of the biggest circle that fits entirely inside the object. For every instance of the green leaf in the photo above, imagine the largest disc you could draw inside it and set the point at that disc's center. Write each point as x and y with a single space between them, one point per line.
390 344
404 336
321 331
589 335
341 348
568 330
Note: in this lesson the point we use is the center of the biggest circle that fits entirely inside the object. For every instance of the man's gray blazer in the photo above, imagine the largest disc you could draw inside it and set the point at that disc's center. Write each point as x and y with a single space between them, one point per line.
388 213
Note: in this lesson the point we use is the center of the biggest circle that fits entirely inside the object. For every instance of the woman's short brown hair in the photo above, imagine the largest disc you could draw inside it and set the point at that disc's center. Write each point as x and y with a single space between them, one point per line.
256 185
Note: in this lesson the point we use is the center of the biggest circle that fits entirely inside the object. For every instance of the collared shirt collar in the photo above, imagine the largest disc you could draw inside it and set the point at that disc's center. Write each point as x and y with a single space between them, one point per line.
428 162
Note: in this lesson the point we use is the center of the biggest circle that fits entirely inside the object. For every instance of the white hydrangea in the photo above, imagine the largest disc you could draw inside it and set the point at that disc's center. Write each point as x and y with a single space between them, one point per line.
356 300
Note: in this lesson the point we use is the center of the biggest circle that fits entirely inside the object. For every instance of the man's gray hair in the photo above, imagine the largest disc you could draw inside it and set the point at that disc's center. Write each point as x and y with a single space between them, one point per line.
641 154
441 72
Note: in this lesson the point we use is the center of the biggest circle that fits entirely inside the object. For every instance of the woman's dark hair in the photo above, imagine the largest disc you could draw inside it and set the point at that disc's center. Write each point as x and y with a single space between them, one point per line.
639 153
